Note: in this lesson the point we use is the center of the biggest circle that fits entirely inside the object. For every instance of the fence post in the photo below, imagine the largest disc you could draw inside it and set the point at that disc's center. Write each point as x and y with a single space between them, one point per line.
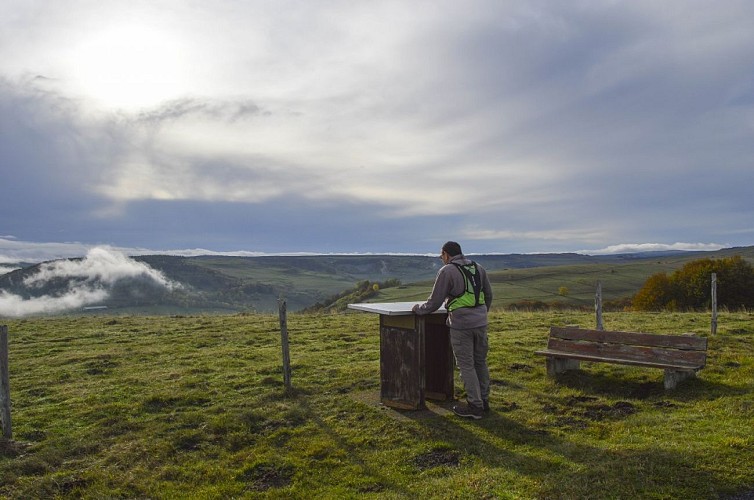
598 306
284 343
714 303
4 384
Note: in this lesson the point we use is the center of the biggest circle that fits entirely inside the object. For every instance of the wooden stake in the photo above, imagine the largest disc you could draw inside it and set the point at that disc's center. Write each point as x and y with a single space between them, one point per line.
598 306
714 303
4 384
284 343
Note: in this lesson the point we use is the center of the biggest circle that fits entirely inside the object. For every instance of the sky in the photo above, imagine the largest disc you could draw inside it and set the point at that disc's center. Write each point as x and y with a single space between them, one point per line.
284 127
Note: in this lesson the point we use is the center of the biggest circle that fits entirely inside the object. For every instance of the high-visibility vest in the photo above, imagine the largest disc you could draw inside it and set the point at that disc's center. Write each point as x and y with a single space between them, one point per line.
472 295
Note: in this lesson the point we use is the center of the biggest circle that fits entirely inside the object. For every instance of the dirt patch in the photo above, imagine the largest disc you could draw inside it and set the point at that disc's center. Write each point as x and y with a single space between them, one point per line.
744 495
623 409
188 440
438 458
156 404
548 408
738 331
520 367
577 407
664 404
264 476
571 422
69 485
618 410
100 366
505 406
643 391
12 449
372 488
574 400
34 435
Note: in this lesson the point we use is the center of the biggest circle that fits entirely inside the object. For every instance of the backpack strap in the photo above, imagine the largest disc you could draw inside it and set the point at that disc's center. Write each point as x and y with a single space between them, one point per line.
470 278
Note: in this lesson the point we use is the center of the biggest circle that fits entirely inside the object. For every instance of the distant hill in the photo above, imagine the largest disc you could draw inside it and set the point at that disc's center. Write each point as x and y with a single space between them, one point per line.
236 284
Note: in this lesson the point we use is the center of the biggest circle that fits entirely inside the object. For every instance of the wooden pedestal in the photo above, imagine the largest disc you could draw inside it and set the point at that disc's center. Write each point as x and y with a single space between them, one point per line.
416 360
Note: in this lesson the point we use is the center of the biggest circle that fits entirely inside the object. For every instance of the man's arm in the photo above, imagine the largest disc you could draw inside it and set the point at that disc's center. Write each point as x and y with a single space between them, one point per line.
440 292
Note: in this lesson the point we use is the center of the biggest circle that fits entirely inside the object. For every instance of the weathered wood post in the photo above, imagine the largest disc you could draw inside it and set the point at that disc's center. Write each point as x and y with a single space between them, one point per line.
4 384
598 306
284 343
714 303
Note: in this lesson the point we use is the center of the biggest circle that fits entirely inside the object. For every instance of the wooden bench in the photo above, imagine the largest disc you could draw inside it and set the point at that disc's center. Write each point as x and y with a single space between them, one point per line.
681 356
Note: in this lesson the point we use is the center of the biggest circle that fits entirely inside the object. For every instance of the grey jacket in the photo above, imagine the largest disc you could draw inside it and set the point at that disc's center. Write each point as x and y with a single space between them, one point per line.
449 283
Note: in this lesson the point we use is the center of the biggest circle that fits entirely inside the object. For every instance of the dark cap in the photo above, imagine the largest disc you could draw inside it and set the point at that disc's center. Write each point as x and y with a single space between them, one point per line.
452 248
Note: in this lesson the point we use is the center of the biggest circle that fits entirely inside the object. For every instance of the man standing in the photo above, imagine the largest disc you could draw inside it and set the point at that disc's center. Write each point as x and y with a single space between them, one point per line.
464 287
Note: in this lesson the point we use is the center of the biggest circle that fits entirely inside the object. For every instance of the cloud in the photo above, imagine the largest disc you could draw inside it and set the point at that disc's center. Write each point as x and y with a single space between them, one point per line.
225 111
15 306
88 281
526 126
15 251
101 264
654 247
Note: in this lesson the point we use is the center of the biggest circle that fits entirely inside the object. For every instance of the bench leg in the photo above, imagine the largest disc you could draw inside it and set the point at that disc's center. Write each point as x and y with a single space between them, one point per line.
556 366
672 377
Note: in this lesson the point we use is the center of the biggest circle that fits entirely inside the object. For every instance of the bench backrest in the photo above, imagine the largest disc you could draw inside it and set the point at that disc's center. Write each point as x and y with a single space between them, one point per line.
689 350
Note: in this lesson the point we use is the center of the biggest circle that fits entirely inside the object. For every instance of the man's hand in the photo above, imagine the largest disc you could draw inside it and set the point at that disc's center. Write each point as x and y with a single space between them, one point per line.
416 306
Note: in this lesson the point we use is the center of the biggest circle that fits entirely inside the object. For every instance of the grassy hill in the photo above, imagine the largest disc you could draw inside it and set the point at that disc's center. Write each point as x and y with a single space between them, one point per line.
254 284
195 407
570 284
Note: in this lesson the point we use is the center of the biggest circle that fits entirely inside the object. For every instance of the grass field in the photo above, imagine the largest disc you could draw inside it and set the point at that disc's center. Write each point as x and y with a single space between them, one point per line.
195 407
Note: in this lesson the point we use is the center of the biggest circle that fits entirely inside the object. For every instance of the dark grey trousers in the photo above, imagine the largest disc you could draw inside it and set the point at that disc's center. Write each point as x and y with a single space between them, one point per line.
470 350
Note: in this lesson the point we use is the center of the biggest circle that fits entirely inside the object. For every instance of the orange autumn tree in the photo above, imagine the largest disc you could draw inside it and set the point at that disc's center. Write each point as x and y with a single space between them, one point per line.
690 287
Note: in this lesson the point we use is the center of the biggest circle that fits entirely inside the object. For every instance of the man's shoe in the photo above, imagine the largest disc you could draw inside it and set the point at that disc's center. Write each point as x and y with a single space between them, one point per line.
486 405
467 411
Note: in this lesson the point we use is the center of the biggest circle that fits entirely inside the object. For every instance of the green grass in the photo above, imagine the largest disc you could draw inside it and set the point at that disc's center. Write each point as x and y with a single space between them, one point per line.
176 407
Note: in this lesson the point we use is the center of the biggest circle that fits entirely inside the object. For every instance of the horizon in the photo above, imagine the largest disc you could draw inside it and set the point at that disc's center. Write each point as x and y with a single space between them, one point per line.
25 252
91 277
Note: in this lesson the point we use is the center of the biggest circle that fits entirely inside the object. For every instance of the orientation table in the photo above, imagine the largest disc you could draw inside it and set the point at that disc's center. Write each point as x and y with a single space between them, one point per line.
416 358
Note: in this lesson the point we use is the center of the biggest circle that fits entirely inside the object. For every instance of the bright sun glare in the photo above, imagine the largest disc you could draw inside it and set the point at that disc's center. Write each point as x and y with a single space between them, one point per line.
129 67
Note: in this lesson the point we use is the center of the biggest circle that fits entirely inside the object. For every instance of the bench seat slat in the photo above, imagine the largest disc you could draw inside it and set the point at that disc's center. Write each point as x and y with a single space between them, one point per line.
684 342
622 361
631 353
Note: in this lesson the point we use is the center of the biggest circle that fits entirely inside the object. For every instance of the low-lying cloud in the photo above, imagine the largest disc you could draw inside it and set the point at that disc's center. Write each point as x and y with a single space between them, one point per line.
15 306
102 264
654 247
7 269
89 281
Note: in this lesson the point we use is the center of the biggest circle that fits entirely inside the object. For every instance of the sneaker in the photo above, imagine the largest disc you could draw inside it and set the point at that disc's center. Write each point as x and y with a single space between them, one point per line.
466 411
486 405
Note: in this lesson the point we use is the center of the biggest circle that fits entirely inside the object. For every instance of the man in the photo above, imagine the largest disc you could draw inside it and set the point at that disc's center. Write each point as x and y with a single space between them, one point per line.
464 287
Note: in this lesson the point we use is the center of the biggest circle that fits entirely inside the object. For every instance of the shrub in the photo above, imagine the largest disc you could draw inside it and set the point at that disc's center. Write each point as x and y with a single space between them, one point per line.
690 287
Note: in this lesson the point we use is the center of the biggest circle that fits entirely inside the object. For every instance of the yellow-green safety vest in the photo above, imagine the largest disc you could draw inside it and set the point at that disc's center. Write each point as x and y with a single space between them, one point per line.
472 295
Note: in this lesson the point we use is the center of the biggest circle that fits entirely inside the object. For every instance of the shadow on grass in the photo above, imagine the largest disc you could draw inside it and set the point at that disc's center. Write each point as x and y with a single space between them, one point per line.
563 467
560 457
615 385
379 481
